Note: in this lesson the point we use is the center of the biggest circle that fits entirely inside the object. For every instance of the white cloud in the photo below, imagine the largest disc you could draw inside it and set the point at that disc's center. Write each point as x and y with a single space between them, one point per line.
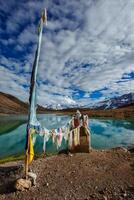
13 84
98 33
28 35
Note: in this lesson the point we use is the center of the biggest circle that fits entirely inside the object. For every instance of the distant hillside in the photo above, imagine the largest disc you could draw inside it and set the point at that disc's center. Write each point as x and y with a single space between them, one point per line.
11 105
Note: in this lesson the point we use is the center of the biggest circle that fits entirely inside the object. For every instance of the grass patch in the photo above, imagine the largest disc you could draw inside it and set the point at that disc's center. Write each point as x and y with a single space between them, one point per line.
12 158
22 157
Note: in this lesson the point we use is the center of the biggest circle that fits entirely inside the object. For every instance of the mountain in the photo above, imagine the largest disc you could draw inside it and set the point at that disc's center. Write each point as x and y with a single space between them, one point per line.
117 102
11 105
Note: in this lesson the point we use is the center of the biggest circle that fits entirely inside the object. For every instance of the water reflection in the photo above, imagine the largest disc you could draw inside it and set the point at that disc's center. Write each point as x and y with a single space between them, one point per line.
7 124
53 121
111 133
104 133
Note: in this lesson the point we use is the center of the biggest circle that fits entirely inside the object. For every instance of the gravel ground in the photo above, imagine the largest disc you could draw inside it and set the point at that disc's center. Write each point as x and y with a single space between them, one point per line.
107 175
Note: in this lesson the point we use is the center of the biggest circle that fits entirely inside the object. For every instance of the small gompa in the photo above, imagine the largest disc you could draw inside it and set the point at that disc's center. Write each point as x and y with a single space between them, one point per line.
80 133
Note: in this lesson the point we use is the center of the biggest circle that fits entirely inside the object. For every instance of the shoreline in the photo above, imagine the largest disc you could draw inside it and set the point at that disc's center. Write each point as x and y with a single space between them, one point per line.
21 157
25 115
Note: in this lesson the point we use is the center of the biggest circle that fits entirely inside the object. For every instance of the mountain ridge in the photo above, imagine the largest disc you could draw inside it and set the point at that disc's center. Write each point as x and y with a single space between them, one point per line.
117 102
12 105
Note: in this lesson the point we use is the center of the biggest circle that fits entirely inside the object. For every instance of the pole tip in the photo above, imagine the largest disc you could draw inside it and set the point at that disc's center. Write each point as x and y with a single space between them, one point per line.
44 16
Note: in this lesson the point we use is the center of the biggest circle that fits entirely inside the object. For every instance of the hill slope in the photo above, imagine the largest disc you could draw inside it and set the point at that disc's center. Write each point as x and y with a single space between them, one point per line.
11 105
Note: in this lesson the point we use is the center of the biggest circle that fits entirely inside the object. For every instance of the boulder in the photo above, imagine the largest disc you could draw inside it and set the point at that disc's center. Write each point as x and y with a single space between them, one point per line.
22 184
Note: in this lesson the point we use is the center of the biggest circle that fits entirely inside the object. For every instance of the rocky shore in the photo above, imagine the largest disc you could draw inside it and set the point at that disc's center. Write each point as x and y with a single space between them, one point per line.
95 175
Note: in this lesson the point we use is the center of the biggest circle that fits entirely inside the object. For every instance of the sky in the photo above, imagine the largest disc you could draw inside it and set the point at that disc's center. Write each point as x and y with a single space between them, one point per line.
87 51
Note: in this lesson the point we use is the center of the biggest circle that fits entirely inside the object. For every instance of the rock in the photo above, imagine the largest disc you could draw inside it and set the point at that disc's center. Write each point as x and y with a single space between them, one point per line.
105 197
101 192
131 149
70 154
22 184
32 176
47 184
120 149
125 194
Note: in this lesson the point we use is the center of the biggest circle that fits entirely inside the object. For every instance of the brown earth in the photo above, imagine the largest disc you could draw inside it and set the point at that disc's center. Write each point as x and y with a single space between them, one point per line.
11 105
107 175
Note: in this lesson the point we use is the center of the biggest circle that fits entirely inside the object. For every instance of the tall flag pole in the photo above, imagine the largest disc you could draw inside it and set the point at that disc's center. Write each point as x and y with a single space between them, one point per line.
32 119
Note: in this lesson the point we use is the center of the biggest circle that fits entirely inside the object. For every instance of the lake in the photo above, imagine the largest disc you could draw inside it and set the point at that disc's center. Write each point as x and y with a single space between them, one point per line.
105 133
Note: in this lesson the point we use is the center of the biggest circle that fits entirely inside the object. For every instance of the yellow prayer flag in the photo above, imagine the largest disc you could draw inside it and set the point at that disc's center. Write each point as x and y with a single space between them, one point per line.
30 149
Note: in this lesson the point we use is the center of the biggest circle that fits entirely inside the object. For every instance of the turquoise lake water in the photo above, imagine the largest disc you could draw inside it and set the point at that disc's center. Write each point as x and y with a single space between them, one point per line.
105 133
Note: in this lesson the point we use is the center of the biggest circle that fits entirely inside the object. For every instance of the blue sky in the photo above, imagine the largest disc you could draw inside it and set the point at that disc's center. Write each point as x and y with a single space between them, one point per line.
87 52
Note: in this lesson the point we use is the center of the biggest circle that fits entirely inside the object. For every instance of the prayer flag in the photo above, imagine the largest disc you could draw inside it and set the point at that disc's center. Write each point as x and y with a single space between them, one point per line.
30 149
